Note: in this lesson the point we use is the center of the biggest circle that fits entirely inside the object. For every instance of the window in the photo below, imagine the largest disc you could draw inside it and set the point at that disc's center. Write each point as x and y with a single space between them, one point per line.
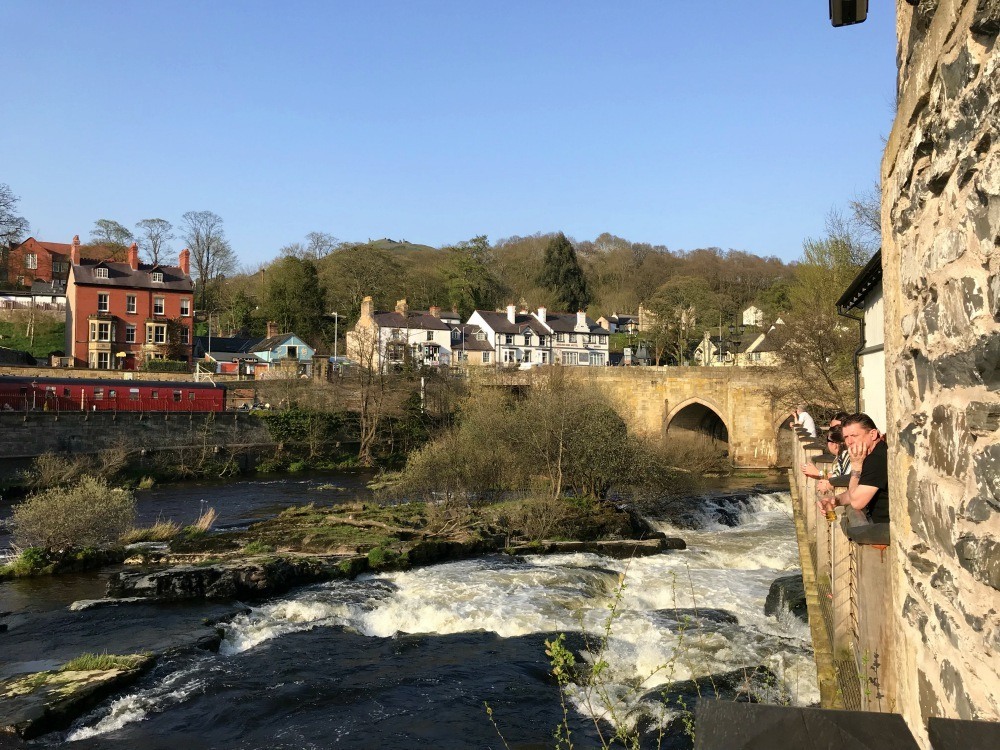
572 338
430 335
560 337
102 302
98 394
130 304
104 332
133 394
20 281
185 335
596 359
156 333
527 355
93 331
65 392
292 352
584 358
569 358
101 272
527 338
155 395
185 307
508 338
585 338
129 334
486 358
480 336
30 260
455 334
157 276
541 341
508 356
177 396
545 358
190 395
157 305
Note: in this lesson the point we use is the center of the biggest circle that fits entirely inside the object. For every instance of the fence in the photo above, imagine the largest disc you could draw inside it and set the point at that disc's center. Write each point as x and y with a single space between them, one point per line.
848 591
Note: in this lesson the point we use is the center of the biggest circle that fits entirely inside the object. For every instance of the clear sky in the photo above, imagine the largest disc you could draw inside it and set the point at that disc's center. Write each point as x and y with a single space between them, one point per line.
688 124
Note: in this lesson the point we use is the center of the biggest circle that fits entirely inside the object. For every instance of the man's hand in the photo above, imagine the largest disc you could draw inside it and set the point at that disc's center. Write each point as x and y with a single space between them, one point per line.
811 471
857 452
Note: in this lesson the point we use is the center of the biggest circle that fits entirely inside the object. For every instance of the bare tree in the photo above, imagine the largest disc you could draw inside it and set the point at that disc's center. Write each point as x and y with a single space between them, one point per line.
317 245
154 234
12 227
210 251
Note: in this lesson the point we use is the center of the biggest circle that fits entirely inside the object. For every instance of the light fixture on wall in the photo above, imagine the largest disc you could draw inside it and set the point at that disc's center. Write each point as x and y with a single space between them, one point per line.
847 12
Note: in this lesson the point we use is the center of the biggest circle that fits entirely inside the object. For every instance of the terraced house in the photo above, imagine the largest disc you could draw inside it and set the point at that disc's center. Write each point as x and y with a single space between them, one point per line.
119 315
522 338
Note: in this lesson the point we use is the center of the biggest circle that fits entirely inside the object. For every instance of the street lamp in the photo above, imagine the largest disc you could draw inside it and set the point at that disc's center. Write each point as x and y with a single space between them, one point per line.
336 320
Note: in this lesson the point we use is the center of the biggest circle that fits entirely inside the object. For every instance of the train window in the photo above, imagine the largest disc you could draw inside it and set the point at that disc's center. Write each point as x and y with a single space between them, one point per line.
156 394
133 394
177 395
65 392
98 394
190 395
112 393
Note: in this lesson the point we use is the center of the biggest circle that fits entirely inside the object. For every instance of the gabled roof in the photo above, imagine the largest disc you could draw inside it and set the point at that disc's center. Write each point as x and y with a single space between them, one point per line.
269 344
468 341
15 357
415 320
60 248
227 344
863 283
566 323
122 275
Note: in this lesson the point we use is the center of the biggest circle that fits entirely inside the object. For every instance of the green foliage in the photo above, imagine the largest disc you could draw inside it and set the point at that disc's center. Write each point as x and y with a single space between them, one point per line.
257 547
300 426
165 365
49 334
31 561
562 274
103 662
294 298
682 310
385 558
88 514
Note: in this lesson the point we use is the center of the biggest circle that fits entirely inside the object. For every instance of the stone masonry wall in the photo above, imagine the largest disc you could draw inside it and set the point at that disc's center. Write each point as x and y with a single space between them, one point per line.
941 256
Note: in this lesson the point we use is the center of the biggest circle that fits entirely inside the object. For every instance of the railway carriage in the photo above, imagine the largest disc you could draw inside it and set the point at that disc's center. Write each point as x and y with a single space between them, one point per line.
85 394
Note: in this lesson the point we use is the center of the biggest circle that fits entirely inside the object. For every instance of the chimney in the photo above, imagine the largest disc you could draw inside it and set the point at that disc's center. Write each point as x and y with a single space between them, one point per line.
133 256
366 310
435 311
542 314
511 313
581 321
184 260
401 307
272 329
74 251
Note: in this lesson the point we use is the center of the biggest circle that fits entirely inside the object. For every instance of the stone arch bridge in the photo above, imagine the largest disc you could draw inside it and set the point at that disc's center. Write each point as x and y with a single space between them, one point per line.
730 405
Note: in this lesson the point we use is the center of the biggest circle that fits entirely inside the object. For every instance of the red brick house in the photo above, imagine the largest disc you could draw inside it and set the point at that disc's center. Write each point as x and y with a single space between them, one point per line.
119 315
37 260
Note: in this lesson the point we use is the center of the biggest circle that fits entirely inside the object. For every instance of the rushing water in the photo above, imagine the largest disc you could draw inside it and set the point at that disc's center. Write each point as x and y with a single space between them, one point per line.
408 659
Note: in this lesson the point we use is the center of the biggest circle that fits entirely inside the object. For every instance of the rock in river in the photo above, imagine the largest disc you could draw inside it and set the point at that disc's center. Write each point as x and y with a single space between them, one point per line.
787 593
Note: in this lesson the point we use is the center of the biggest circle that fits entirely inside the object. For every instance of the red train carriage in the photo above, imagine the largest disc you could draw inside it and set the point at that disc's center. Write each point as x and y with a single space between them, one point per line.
79 394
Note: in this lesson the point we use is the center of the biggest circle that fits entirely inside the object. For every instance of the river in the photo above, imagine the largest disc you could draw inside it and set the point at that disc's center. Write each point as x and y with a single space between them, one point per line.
408 659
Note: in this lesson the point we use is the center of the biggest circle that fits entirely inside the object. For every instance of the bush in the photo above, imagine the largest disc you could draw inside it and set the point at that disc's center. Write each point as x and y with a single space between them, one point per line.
30 562
90 514
257 547
165 365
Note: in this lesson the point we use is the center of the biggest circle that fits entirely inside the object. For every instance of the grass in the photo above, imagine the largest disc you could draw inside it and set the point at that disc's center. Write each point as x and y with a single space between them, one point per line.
161 531
50 336
257 547
103 662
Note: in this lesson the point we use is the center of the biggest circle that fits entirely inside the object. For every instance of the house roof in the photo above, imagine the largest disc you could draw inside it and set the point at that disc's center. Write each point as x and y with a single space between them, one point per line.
39 286
60 248
269 344
414 319
566 323
226 344
863 283
468 341
15 357
123 275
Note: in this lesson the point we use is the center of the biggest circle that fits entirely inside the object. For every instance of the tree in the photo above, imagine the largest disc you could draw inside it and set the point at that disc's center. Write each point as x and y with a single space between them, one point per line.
212 255
109 234
294 297
154 234
12 227
356 272
317 245
562 274
470 283
682 309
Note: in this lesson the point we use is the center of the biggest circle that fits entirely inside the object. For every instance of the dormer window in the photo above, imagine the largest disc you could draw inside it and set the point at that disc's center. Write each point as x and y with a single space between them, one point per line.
157 275
480 336
101 273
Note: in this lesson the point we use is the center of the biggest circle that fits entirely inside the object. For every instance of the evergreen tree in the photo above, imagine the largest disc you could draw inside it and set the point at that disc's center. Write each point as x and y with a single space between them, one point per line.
561 272
295 297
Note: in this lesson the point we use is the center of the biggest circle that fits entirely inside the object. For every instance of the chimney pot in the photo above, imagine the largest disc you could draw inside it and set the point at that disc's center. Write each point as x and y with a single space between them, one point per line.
272 329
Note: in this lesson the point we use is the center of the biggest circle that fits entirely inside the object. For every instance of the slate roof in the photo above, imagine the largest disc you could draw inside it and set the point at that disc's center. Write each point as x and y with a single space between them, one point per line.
869 276
122 275
226 348
269 344
468 341
414 320
39 286
15 357
566 323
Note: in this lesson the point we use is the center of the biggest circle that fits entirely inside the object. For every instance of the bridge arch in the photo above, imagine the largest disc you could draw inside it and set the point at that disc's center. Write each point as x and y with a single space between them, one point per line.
698 417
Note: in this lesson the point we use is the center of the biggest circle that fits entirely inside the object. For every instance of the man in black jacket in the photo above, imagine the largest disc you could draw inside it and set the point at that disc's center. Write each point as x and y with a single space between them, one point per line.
868 489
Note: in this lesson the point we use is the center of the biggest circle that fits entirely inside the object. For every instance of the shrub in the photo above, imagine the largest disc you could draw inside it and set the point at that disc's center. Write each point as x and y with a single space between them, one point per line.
383 557
161 531
257 547
89 514
29 562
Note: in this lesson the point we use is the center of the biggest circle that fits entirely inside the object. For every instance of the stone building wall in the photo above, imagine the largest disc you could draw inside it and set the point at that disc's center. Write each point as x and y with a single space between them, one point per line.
941 256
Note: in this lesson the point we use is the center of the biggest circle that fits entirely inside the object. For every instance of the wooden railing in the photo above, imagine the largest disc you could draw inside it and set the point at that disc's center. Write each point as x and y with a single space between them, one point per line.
848 590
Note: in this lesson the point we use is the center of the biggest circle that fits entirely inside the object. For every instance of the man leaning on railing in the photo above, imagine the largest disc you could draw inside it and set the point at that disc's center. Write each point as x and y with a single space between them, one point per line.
868 489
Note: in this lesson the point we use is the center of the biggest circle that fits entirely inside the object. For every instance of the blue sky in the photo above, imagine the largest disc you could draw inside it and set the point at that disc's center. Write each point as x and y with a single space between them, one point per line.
688 124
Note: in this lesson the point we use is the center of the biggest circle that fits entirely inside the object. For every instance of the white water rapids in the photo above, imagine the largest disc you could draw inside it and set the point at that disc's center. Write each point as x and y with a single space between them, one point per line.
723 568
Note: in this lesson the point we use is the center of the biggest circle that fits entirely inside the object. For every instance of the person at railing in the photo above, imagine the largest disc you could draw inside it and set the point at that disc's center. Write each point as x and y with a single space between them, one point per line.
841 467
868 489
804 419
